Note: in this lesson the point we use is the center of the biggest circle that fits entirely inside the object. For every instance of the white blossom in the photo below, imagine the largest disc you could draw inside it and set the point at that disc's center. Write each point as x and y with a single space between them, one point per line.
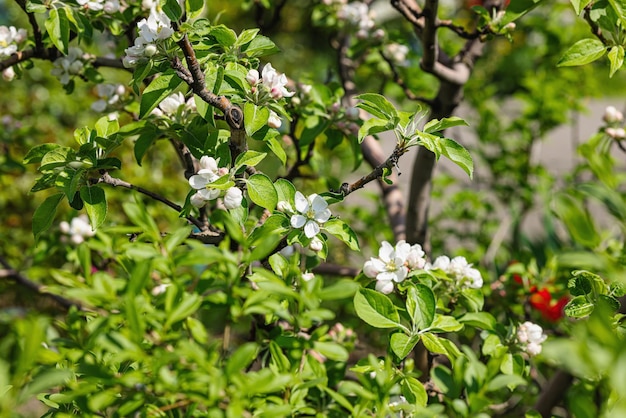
10 37
233 198
616 133
390 266
201 181
274 81
416 259
397 53
157 27
109 95
308 276
68 66
172 103
316 244
274 120
612 115
530 336
458 269
78 229
159 289
8 74
313 211
91 5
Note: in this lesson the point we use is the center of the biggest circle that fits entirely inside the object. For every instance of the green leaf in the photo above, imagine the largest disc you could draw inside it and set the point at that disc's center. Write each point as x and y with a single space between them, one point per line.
172 9
616 58
194 8
262 192
576 219
578 307
376 309
276 147
402 345
224 35
619 6
436 125
161 87
482 320
241 358
341 230
285 189
414 392
458 155
445 323
95 203
44 214
189 303
501 381
259 47
57 157
249 158
582 52
255 116
105 127
420 305
373 126
36 153
378 106
433 343
331 350
579 5
58 27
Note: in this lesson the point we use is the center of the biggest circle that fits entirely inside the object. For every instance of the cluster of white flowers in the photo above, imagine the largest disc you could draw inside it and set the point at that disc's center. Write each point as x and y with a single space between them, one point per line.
108 6
530 336
208 173
358 15
458 268
10 37
394 264
172 103
109 95
155 28
78 229
68 66
396 53
272 80
310 214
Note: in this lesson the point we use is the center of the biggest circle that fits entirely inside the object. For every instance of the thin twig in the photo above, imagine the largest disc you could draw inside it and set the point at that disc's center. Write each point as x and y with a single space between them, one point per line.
106 178
376 173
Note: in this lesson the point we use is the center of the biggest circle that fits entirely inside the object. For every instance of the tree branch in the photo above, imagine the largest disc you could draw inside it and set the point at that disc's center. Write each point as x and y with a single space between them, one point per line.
378 172
10 273
115 182
232 113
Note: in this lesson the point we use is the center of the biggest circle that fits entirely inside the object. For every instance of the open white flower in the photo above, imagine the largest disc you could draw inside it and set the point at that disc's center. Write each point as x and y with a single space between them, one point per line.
68 66
155 28
9 38
274 120
207 174
313 211
389 266
275 82
458 269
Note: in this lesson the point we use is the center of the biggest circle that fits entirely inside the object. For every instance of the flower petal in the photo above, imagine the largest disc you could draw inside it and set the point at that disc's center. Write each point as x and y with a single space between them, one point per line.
311 229
302 204
298 221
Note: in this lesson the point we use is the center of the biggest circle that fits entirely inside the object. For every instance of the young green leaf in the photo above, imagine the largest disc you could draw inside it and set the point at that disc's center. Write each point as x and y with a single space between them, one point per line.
420 305
255 116
616 58
157 90
262 192
58 27
341 230
458 155
402 345
414 391
376 309
44 214
95 203
436 125
582 52
578 307
249 158
378 106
